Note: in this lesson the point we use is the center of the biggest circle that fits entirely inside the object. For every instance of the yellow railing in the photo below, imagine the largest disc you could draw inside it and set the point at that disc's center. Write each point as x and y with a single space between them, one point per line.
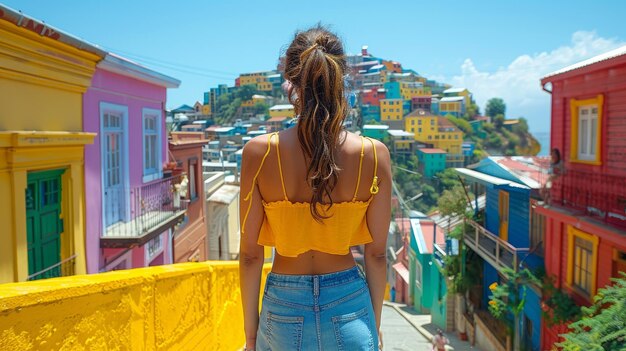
188 306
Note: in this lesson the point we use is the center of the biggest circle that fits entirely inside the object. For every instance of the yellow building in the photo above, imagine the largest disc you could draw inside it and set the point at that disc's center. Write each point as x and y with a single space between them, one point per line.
282 111
258 79
409 90
206 109
463 92
42 150
264 86
452 106
435 130
256 99
391 110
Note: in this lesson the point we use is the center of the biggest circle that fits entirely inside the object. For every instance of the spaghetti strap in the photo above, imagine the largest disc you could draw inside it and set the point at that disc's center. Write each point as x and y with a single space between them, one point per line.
280 168
374 187
249 195
358 180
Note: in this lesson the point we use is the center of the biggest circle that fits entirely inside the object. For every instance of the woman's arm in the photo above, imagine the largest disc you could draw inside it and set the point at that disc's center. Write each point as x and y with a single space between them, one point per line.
250 253
378 218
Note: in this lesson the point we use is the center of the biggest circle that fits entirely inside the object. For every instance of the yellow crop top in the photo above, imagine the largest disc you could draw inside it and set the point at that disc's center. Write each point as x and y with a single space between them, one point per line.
292 230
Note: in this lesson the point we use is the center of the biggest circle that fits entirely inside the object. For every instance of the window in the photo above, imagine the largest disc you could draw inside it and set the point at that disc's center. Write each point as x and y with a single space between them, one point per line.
586 130
193 170
582 261
153 248
419 122
418 274
537 231
432 122
151 144
412 122
419 130
430 137
587 135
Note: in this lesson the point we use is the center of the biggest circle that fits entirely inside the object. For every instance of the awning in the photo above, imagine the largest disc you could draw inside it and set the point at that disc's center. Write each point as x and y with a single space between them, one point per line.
402 271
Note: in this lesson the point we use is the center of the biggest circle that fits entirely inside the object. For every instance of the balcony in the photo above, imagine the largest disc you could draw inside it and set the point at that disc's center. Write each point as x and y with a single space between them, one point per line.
153 208
497 252
596 195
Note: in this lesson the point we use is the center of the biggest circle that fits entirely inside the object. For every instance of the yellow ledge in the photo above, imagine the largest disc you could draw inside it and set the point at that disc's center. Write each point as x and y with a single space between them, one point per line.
188 306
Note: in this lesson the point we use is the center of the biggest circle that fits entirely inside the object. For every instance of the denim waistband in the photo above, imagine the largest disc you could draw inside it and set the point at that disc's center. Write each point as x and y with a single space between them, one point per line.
308 280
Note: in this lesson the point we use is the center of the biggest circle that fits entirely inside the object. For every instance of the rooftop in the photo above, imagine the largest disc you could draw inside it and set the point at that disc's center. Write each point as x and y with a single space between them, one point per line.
399 133
452 99
277 119
619 52
281 107
431 151
454 90
375 126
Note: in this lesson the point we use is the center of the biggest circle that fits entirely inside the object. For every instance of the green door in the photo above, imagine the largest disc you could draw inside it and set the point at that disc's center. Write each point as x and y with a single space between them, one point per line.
43 223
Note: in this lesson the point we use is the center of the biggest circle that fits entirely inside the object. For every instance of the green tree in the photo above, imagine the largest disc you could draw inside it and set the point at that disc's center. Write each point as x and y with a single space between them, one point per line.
498 121
495 106
453 203
603 325
260 108
509 297
462 124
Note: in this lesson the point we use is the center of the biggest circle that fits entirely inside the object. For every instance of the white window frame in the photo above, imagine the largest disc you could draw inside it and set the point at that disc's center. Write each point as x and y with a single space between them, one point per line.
106 107
588 133
418 274
152 174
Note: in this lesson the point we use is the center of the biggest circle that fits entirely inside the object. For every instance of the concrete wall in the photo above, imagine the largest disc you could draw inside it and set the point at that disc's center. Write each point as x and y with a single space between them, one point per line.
188 306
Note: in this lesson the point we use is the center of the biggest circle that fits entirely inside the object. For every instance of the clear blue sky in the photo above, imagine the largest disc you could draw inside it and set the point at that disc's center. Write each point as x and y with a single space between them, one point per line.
495 48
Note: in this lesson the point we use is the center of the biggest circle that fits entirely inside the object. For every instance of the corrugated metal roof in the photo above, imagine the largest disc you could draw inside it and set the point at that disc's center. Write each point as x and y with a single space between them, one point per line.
398 132
485 178
454 90
431 151
602 57
452 98
281 107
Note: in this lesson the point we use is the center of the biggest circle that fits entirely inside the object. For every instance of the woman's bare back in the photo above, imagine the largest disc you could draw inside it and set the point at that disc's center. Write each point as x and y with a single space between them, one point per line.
294 169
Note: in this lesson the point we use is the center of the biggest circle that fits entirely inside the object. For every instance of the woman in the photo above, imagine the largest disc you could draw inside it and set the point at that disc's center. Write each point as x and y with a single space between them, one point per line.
440 341
312 191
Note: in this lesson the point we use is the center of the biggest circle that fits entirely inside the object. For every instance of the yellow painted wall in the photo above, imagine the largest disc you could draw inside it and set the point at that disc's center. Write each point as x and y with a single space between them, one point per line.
186 306
452 142
42 81
283 113
391 110
454 106
252 78
20 153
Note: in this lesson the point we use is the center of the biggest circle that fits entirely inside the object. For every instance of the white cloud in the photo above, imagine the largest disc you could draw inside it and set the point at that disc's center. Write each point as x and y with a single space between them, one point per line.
518 83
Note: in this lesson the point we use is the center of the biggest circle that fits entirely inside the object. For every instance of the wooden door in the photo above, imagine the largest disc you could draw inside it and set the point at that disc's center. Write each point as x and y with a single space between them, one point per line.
43 223
503 211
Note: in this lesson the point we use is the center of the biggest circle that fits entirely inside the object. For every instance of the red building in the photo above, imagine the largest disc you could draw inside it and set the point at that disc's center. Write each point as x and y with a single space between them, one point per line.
422 102
372 96
584 218
190 242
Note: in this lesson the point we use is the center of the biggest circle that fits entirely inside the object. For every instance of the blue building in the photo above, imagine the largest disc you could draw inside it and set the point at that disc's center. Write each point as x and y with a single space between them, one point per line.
370 112
501 235
393 90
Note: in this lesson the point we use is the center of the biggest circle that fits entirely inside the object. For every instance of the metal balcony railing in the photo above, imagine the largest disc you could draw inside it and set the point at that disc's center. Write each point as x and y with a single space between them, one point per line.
148 211
491 248
61 269
595 194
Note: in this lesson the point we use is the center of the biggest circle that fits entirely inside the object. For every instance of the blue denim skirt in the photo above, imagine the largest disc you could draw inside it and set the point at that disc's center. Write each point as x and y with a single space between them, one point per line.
317 312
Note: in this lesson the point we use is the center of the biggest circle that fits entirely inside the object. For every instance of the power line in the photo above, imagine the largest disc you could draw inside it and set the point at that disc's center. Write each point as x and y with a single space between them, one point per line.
177 66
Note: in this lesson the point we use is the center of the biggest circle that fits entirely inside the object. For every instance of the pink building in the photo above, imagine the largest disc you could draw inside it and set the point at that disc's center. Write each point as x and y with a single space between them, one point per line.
132 206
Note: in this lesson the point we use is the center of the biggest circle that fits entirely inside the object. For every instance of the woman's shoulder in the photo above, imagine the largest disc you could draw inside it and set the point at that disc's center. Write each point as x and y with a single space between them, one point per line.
256 147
